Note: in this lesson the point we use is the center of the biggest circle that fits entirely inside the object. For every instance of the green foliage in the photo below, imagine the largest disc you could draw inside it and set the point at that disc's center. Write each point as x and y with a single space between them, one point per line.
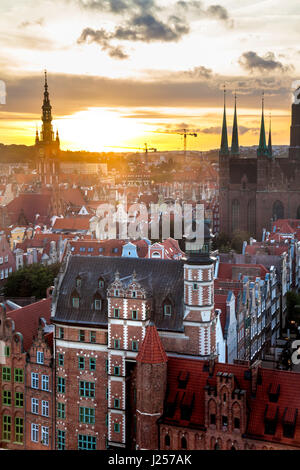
32 280
224 243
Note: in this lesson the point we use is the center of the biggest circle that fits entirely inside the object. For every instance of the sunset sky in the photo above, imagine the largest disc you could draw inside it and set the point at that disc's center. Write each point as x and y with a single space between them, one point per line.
125 72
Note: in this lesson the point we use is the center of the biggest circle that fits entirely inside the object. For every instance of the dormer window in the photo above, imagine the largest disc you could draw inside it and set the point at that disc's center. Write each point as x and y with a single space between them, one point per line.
78 282
116 292
97 304
167 310
101 283
75 302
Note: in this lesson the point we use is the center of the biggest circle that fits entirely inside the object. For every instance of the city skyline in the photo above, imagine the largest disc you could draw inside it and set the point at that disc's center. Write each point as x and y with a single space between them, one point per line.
120 73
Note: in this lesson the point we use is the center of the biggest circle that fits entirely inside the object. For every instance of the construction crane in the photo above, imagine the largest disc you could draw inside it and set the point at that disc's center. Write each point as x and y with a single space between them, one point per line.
145 148
185 133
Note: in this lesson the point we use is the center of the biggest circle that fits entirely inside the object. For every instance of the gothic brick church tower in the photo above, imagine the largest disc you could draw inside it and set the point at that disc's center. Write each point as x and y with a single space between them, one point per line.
47 146
255 191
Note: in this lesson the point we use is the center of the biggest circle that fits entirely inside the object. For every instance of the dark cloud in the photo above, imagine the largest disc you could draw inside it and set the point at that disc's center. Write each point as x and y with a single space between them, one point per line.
145 21
72 93
252 62
217 130
199 72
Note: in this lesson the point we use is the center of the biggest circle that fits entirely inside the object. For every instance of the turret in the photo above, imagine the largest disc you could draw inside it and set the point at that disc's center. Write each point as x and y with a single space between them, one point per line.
151 383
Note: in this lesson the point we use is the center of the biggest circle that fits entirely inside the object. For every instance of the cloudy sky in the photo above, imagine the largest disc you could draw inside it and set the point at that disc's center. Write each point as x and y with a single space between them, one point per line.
125 72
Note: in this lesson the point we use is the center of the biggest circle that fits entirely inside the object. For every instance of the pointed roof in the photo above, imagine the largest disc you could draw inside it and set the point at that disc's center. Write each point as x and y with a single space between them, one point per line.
262 148
224 150
235 149
152 350
270 149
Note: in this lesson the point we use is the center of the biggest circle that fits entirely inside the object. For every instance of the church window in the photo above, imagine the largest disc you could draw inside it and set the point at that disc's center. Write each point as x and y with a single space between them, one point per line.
224 421
235 215
213 419
251 217
167 440
236 423
298 213
183 443
278 210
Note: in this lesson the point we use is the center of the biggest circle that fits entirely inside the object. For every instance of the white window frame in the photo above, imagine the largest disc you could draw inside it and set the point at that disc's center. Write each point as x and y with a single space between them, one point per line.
34 432
35 406
40 357
34 380
45 408
45 380
45 435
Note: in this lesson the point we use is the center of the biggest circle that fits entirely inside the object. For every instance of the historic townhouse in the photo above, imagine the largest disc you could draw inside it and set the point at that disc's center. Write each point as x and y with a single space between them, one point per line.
26 377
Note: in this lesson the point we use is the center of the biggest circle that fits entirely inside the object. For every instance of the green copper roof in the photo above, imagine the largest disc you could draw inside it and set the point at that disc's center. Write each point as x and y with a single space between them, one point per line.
262 148
235 149
224 150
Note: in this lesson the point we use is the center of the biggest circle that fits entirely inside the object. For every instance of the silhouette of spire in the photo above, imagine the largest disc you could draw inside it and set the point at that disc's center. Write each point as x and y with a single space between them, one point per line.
262 148
36 134
235 149
47 117
224 150
270 149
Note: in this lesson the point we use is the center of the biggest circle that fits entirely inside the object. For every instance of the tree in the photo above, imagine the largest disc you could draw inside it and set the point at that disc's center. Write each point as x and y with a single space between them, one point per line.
32 280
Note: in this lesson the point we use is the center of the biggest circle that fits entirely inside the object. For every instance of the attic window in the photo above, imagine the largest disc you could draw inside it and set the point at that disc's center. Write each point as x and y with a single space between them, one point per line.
75 302
78 282
155 254
97 304
183 379
274 393
167 310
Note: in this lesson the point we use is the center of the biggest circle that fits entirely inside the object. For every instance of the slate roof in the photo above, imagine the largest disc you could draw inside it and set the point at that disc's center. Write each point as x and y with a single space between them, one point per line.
160 278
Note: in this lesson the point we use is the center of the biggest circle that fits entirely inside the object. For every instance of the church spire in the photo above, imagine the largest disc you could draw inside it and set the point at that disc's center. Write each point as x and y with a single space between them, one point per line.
36 134
262 148
270 149
224 150
235 149
47 117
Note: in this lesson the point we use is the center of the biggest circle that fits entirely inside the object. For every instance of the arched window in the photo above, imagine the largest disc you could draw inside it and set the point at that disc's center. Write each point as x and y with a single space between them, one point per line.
183 443
278 210
251 217
235 215
167 440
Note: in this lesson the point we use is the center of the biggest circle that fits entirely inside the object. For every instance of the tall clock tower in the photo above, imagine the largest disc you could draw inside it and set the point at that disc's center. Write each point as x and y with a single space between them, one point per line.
47 145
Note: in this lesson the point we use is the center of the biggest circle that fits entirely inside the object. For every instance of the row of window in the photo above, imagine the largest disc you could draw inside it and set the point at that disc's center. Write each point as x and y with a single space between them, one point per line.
35 407
7 428
4 273
5 259
44 434
81 335
7 398
35 381
134 344
18 374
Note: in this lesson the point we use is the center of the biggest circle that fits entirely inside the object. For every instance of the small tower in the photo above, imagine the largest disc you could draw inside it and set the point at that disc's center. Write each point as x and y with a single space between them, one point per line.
235 149
199 297
151 388
262 148
47 147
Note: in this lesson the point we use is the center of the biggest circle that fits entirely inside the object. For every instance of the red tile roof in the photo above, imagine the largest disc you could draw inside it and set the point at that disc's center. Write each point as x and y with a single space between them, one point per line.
232 271
26 319
32 204
152 350
198 377
72 223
